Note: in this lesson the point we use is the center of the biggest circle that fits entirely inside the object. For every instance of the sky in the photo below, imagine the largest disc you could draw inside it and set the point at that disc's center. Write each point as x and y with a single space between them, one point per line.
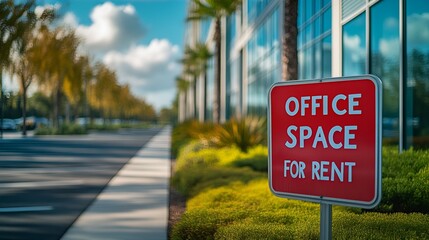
142 40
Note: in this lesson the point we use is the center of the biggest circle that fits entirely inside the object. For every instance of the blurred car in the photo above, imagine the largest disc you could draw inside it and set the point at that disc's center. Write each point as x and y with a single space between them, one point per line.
8 124
32 122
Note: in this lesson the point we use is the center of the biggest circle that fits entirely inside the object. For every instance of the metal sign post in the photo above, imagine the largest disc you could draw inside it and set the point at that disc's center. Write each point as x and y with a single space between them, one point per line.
325 221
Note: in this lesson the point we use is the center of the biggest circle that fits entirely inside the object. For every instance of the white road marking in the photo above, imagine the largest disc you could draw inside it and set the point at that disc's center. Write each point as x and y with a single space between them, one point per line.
63 169
41 184
26 209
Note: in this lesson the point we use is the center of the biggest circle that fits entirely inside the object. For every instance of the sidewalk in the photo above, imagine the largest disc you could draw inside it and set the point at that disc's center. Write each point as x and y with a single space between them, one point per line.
17 135
134 205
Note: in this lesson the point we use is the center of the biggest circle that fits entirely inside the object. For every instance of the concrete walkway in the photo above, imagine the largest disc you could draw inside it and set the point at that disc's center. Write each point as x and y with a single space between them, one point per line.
135 203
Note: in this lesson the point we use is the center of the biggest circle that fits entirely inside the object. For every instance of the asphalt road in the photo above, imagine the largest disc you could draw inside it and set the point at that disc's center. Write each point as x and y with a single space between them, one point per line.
46 183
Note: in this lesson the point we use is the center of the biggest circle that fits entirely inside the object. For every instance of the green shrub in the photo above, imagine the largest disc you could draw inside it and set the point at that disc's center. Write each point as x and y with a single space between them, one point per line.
199 154
252 231
405 183
243 134
380 226
224 213
64 129
70 129
104 127
250 211
203 223
407 163
200 167
256 159
185 132
193 180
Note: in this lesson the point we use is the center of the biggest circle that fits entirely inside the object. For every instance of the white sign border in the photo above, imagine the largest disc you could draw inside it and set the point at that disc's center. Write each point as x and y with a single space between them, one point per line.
378 159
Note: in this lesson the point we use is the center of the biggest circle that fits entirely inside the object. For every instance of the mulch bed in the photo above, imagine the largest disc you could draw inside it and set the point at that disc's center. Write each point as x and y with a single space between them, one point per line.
177 206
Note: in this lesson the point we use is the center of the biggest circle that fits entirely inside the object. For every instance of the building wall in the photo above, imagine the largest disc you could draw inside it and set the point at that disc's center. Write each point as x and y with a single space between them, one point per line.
387 38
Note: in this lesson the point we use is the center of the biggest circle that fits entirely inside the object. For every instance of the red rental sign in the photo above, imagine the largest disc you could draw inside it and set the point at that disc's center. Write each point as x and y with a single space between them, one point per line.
324 140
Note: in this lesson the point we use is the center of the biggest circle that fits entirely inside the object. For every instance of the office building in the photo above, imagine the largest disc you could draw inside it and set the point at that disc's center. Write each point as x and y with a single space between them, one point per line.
387 38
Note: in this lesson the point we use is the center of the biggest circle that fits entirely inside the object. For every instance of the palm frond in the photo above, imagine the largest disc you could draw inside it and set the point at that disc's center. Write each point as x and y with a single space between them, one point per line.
212 9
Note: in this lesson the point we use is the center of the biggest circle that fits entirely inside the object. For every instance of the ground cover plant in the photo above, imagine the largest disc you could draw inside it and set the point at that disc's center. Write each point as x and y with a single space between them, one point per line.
65 129
229 198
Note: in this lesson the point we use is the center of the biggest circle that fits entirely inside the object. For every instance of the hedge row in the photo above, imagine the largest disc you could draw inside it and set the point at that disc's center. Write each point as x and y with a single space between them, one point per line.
229 198
249 211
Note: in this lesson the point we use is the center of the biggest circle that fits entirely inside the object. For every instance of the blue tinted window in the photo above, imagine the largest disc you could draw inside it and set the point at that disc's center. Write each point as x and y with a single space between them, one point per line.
317 60
263 70
326 57
308 9
255 8
327 20
209 90
308 63
354 46
317 27
385 52
417 80
300 20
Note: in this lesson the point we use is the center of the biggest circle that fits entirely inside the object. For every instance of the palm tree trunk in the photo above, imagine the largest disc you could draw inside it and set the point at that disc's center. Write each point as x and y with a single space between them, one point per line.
217 69
290 34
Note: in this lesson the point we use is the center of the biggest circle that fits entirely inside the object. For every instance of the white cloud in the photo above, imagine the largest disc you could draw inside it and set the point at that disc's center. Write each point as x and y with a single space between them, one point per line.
70 19
391 23
114 36
353 46
150 70
354 55
113 28
417 30
389 48
40 9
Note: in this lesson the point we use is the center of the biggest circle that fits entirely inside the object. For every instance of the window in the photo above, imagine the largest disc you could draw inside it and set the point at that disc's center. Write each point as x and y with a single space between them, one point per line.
314 51
326 56
385 52
263 48
417 80
209 90
354 47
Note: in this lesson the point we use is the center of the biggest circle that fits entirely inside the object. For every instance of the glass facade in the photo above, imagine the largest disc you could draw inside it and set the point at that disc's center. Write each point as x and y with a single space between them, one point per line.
255 8
314 39
369 33
384 59
208 114
354 46
229 91
236 87
204 30
417 75
263 63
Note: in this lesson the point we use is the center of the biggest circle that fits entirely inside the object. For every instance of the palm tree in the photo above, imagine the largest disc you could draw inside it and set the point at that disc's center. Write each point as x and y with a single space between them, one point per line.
195 59
182 86
290 34
216 10
194 64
